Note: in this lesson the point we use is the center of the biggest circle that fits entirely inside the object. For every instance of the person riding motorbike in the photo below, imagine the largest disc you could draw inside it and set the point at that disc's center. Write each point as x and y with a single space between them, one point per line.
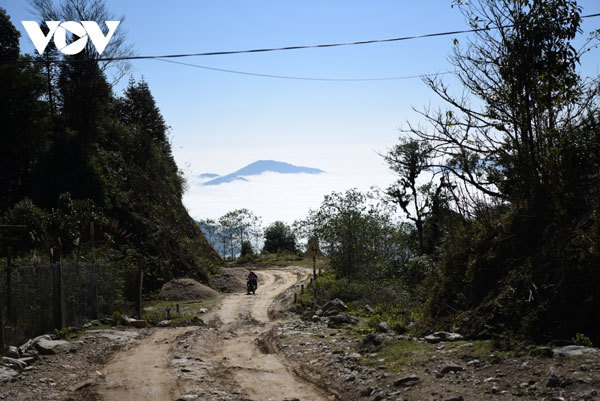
252 282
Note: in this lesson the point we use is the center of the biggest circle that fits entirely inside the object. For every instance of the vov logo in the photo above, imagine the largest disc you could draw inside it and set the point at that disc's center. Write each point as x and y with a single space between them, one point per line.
83 30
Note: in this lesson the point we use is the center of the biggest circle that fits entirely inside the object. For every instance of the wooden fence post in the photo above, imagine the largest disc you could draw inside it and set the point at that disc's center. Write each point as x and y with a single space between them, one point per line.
93 289
295 298
139 305
57 295
1 323
314 282
9 307
301 289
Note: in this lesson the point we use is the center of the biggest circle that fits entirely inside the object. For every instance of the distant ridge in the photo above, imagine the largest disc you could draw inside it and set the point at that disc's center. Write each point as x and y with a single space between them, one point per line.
208 175
263 166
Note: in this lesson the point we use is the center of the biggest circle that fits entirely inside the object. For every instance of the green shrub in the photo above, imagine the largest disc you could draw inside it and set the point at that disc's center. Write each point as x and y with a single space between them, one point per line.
116 318
393 315
65 333
582 339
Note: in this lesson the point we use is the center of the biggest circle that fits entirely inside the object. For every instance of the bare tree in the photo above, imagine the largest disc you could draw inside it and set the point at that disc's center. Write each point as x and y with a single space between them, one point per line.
91 10
521 90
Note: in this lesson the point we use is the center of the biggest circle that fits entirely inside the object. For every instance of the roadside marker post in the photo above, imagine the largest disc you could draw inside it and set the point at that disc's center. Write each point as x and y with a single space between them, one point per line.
314 251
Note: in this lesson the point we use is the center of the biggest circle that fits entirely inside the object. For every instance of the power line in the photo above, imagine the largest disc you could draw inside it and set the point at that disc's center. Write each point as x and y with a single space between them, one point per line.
276 49
167 57
303 78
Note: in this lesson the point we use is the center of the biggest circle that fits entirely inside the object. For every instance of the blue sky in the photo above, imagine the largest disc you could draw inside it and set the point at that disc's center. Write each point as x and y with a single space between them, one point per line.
221 122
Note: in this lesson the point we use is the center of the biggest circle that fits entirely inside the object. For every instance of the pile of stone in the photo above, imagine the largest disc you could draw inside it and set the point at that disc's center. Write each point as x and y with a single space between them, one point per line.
334 311
334 307
21 358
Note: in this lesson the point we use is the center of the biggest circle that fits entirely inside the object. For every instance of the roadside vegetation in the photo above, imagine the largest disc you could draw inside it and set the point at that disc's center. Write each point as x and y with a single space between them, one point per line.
502 198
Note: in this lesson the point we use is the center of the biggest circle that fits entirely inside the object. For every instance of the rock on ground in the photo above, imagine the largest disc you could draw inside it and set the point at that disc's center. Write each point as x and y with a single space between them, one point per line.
439 336
334 307
407 381
372 343
342 318
49 347
186 289
30 344
16 364
7 374
573 350
13 352
137 323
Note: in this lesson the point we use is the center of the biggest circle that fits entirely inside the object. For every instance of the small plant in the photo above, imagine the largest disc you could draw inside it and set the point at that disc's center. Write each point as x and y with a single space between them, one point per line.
582 339
394 316
116 318
64 333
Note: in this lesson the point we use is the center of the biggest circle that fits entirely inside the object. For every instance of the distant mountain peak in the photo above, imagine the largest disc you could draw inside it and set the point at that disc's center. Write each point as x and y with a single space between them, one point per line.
263 166
208 175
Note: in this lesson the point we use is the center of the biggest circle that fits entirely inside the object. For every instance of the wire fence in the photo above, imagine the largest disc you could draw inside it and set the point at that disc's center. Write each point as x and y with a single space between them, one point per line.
40 298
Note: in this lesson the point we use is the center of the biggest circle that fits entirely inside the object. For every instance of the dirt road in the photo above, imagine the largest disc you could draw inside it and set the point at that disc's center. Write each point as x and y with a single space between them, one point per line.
220 362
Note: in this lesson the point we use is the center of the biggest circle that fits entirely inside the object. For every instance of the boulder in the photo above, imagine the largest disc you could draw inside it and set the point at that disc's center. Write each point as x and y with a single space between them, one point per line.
30 344
138 323
340 319
7 375
367 391
372 343
129 321
555 379
31 353
27 360
164 323
439 336
49 347
13 352
451 368
334 307
382 327
407 381
15 364
573 350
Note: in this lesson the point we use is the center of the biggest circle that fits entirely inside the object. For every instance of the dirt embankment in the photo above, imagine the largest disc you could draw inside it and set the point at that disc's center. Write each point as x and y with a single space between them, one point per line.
230 280
186 289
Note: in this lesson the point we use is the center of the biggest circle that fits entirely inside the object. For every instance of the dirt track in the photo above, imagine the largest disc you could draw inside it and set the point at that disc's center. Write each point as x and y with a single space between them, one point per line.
223 362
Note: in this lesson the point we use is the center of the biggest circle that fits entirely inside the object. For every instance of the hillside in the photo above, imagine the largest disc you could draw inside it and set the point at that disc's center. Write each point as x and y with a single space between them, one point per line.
99 157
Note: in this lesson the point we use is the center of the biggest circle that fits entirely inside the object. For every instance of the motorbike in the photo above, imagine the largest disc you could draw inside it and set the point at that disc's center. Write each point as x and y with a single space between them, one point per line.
251 286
